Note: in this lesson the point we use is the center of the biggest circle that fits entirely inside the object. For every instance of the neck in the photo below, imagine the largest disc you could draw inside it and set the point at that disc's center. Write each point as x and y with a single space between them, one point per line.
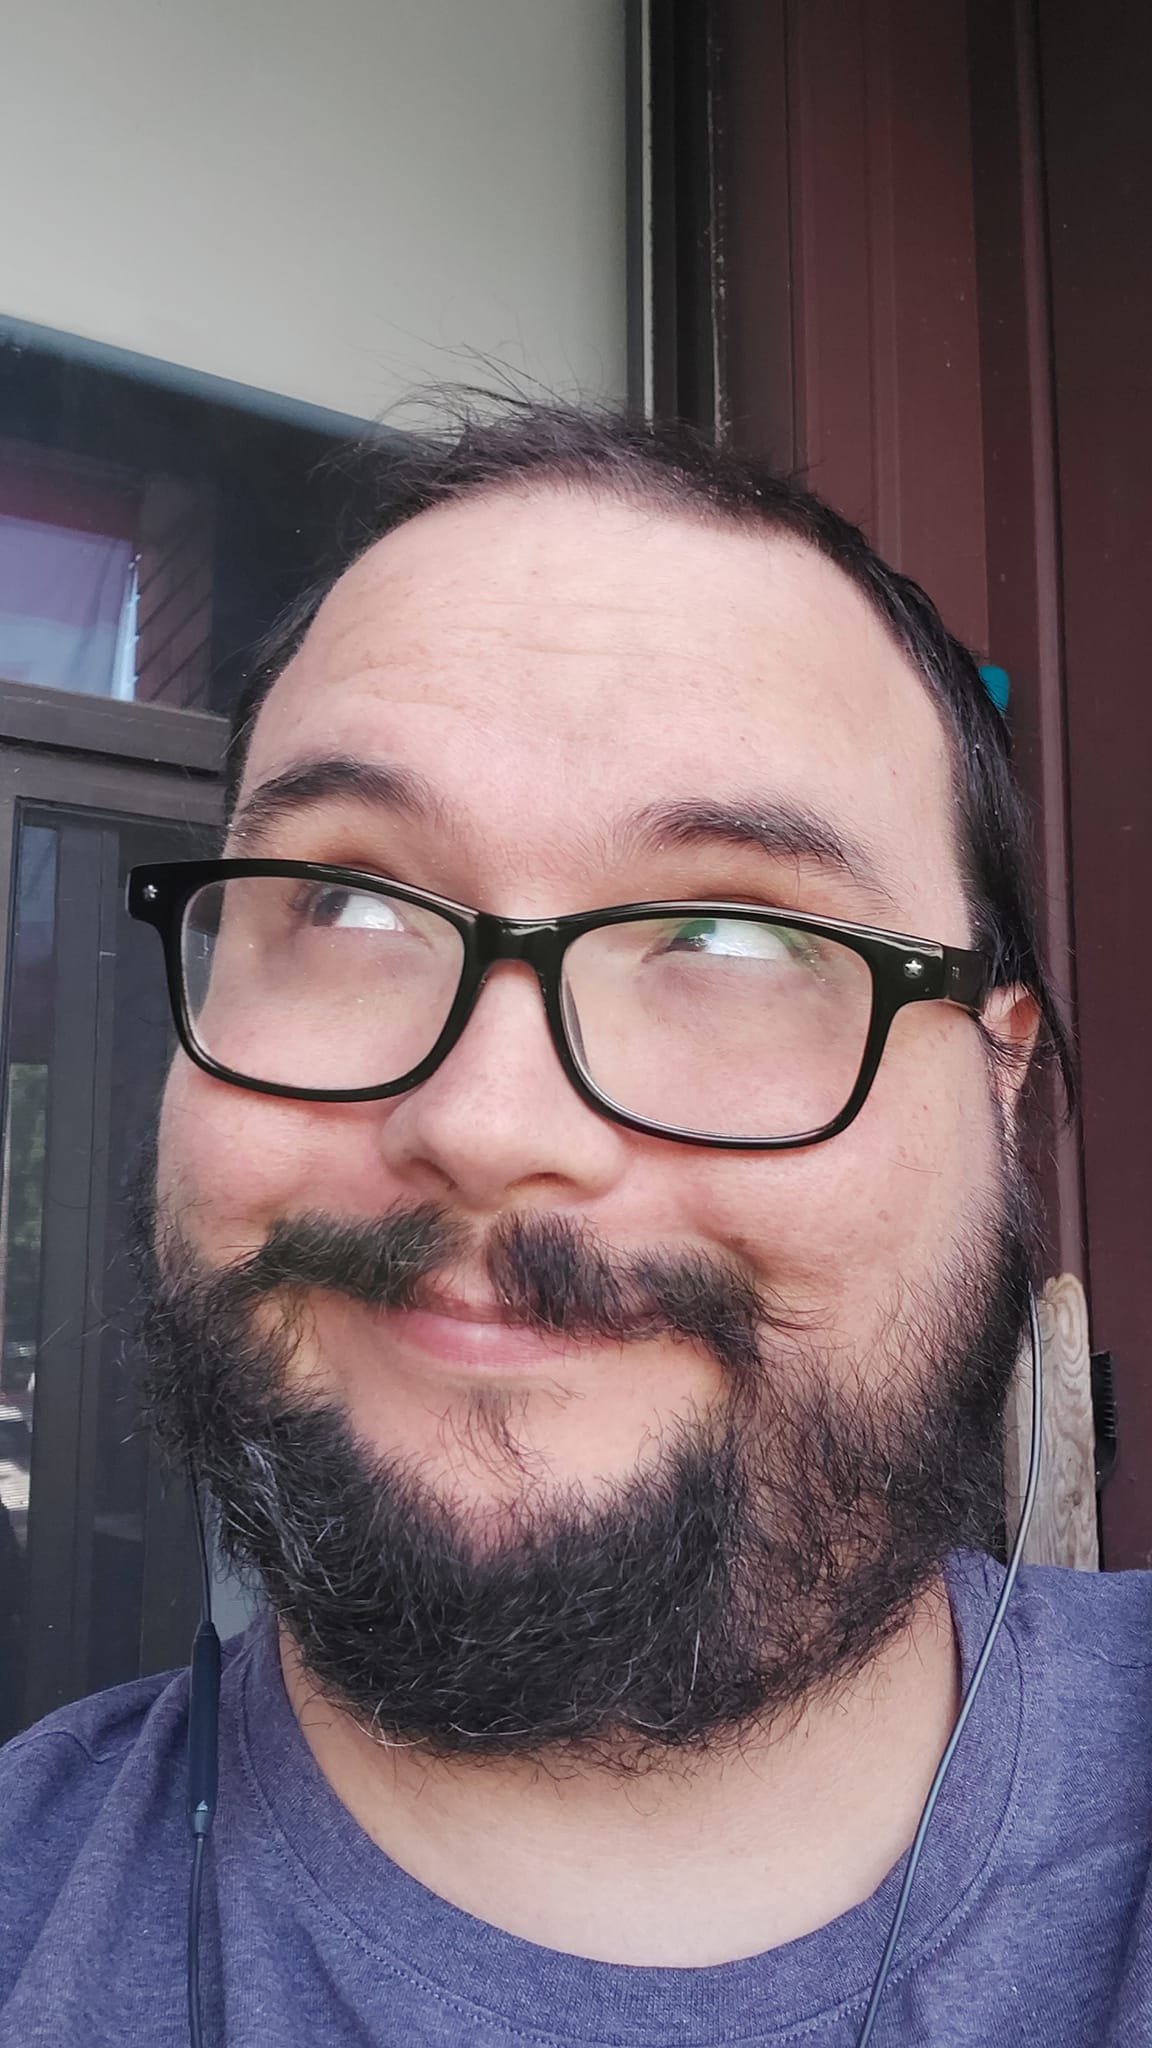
704 1862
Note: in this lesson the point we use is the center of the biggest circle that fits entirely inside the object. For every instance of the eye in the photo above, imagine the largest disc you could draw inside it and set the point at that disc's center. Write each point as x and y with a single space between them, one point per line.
732 938
338 909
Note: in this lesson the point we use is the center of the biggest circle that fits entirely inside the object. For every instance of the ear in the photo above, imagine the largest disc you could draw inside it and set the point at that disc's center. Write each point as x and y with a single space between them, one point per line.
1011 1020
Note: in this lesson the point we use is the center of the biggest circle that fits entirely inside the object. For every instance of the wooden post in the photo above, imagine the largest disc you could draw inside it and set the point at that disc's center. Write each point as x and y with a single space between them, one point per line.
1063 1527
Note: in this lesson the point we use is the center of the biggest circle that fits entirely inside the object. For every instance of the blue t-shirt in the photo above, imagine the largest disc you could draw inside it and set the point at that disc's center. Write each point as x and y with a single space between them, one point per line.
1029 1921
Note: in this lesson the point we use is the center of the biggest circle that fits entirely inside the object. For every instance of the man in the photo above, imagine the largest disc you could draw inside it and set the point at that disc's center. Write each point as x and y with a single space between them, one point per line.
588 1253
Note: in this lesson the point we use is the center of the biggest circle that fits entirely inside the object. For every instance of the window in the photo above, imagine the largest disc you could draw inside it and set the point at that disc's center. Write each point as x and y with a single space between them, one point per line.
147 538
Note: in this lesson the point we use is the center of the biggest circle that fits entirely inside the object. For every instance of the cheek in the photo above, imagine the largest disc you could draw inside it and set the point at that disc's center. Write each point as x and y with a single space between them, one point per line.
836 1226
230 1162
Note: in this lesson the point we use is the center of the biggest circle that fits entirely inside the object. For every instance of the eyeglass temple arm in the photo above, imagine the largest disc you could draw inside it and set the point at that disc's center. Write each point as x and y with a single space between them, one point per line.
967 977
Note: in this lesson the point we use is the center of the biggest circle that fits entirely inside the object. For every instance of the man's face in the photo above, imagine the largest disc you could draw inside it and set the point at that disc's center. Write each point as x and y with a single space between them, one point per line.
551 667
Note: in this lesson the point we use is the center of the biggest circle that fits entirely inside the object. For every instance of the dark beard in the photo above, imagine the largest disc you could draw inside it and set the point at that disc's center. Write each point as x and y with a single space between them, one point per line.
766 1551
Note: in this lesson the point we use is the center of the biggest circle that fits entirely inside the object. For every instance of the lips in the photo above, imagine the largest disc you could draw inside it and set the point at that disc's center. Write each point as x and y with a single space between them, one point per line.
460 1310
452 1332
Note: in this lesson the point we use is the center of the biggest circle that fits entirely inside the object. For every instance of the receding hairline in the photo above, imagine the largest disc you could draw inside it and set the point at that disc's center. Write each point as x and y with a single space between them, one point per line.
673 496
651 491
671 501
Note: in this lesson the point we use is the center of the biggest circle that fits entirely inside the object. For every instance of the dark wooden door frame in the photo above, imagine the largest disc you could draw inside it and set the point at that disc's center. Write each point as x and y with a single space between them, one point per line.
1094 82
680 68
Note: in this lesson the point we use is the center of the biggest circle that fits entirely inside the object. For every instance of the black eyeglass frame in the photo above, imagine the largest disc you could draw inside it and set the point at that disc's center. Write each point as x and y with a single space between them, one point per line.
904 970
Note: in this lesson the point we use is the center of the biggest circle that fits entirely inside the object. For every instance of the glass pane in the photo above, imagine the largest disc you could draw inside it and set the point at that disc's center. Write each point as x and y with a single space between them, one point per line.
66 604
147 537
87 1047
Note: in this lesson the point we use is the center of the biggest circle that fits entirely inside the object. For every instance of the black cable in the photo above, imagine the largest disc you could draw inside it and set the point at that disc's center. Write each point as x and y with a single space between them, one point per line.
981 1666
203 1719
194 1890
201 1547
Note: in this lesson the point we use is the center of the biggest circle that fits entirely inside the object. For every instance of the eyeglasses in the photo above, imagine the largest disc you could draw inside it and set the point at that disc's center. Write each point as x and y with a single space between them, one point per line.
708 1022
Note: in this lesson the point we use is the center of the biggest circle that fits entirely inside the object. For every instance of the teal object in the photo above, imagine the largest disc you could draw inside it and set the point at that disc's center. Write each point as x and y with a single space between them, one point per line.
998 684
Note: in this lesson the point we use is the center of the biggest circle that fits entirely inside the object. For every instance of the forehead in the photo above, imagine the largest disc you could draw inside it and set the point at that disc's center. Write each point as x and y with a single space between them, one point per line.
551 662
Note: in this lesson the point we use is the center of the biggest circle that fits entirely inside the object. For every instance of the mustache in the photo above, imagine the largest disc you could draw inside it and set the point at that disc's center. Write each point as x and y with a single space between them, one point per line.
549 1272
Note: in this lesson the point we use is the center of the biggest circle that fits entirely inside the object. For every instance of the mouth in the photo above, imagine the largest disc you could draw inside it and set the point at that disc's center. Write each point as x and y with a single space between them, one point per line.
447 1332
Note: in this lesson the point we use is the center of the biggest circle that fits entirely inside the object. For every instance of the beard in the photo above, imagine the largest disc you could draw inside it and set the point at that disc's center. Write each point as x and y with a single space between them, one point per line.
764 1553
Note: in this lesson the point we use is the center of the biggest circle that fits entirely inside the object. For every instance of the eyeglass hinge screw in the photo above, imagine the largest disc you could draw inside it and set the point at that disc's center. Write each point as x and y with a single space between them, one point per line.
913 969
150 892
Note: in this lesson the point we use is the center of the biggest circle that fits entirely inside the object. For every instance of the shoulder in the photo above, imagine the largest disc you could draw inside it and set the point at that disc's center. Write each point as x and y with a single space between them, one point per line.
72 1756
1082 1620
88 1795
1083 1642
57 1781
1101 1621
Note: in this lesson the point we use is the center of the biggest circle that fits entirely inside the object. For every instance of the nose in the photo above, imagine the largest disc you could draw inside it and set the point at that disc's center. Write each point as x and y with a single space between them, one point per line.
499 1121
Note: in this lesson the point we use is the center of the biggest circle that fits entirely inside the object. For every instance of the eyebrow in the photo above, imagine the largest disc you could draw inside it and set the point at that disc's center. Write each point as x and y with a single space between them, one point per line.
383 786
777 827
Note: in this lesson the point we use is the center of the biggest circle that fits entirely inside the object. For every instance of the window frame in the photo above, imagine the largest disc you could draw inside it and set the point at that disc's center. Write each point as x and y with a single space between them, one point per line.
63 721
58 1585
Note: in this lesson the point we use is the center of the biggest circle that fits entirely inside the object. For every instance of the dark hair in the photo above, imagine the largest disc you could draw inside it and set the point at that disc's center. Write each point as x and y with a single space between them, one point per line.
610 454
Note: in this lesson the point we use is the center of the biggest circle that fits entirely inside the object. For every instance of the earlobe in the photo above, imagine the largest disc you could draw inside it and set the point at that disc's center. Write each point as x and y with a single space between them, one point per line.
1011 1022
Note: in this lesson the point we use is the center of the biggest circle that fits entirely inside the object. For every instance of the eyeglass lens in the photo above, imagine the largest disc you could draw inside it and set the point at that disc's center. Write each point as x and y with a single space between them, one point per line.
723 1026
